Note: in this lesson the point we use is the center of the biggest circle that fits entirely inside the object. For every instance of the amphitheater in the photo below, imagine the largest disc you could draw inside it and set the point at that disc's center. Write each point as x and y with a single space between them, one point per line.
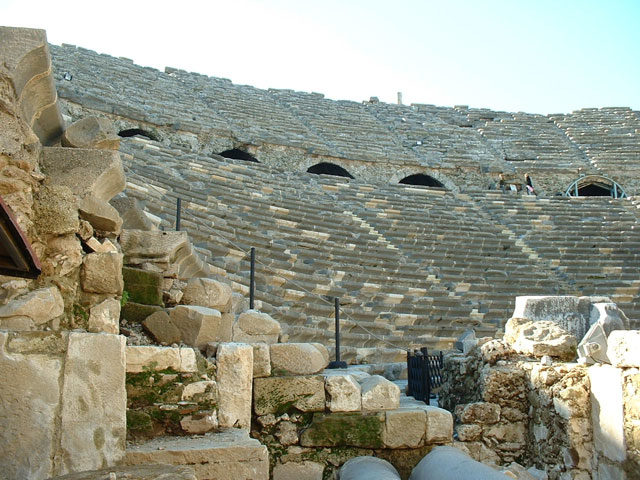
416 217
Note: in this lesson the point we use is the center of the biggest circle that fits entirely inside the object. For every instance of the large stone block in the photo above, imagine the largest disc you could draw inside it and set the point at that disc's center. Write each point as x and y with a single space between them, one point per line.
479 412
230 454
91 132
143 286
102 216
345 429
207 292
261 360
298 358
32 309
378 393
571 313
344 393
253 326
140 246
137 472
56 210
234 377
144 357
405 428
439 425
86 172
102 273
624 348
279 394
94 402
198 325
105 317
161 328
607 412
305 470
540 338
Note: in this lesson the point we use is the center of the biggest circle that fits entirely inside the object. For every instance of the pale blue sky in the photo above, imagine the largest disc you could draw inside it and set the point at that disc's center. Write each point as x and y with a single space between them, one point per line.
535 56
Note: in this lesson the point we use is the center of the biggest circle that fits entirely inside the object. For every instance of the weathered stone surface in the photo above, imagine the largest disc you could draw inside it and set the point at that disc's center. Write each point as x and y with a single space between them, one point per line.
279 394
64 255
56 210
199 423
91 132
94 402
85 172
105 317
344 393
253 326
287 433
144 287
102 216
305 470
570 313
607 412
229 454
540 338
504 385
469 433
140 246
405 428
368 468
132 213
495 350
439 425
298 358
138 472
161 328
345 429
234 376
102 273
198 325
160 358
206 389
36 307
207 292
479 412
624 348
137 313
261 360
378 393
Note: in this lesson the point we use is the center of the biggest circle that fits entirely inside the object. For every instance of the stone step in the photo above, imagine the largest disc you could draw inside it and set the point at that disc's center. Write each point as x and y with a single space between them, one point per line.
230 454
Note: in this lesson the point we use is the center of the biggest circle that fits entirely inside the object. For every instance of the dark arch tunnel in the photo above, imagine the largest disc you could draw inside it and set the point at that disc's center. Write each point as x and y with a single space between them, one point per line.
237 154
326 168
132 132
422 180
594 190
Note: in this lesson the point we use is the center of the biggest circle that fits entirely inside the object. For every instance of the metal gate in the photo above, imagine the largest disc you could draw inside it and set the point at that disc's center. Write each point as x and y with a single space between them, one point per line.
424 372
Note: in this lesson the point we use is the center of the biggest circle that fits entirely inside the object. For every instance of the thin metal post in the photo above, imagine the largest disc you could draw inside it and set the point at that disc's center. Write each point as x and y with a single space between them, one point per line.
252 279
178 211
337 314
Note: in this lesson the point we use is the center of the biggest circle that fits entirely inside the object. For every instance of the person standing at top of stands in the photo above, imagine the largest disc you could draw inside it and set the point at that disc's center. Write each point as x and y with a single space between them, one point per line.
529 185
503 184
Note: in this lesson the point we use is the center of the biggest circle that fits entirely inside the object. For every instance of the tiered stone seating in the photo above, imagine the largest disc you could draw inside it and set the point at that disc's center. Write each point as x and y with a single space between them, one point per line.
607 136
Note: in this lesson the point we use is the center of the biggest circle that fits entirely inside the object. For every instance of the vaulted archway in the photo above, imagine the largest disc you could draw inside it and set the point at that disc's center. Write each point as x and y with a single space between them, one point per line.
595 186
422 180
132 132
237 154
326 168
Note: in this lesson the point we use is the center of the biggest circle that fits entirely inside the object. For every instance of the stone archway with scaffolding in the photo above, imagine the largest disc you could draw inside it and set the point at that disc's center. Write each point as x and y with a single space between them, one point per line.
595 186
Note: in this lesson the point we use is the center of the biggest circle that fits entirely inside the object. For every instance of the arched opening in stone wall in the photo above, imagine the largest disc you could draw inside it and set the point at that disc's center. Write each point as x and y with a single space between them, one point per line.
595 186
132 132
326 168
237 154
422 180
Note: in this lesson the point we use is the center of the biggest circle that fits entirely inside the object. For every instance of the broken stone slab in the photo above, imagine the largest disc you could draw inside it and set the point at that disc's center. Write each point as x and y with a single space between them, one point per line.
200 325
144 357
605 318
624 348
452 464
364 430
140 246
137 313
540 338
203 390
298 358
368 468
207 292
261 360
253 326
161 328
277 395
234 375
105 317
405 428
378 393
102 273
143 286
102 216
34 308
306 470
227 454
132 214
199 423
344 393
91 132
105 247
138 472
86 172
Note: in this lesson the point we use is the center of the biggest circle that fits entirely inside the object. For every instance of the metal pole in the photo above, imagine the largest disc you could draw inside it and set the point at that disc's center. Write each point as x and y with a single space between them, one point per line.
178 209
252 279
337 315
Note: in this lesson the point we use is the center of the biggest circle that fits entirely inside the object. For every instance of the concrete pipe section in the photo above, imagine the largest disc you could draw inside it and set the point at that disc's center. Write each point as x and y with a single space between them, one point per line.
368 468
451 464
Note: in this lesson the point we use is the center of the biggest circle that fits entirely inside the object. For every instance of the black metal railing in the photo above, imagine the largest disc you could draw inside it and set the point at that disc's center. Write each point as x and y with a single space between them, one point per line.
424 373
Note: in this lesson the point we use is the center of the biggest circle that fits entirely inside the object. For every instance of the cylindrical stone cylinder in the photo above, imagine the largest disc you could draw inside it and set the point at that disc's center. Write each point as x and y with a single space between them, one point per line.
449 463
368 468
